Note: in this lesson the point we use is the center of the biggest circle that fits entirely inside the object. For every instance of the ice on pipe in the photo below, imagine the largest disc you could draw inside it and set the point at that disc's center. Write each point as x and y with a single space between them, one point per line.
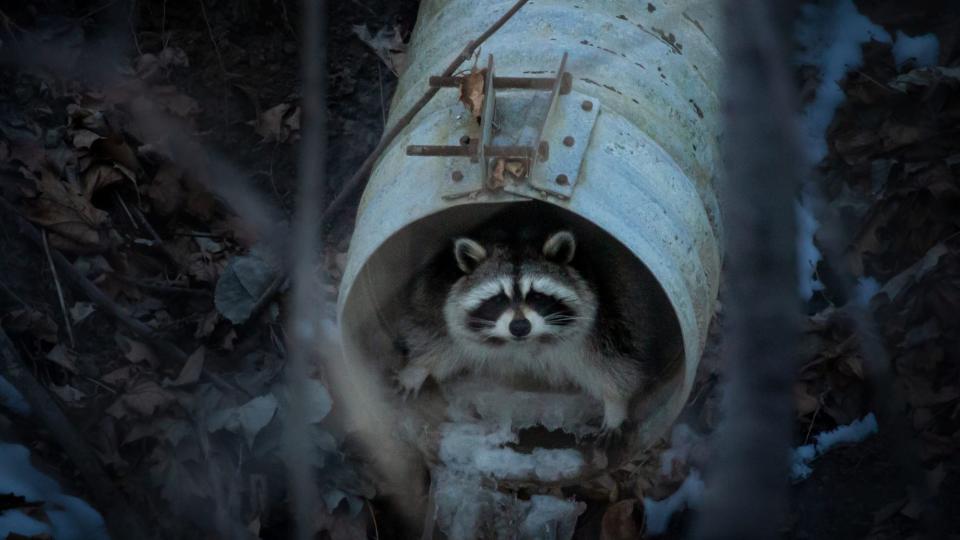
467 509
853 432
70 518
481 448
574 412
657 514
474 452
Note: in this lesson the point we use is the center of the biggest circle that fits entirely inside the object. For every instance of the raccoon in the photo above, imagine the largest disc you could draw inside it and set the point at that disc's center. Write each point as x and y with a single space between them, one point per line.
515 308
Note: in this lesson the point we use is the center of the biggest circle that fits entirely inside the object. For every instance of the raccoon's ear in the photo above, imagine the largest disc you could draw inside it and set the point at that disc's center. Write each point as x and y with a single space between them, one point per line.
469 254
560 247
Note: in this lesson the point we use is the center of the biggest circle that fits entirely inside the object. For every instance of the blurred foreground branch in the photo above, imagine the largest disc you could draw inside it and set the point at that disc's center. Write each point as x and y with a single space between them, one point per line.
747 487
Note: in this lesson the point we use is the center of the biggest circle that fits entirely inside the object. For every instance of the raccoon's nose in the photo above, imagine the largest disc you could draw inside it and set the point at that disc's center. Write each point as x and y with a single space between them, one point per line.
520 327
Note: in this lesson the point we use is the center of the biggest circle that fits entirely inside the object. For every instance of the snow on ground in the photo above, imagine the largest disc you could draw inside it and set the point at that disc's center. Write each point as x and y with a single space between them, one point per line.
830 35
70 518
853 432
657 514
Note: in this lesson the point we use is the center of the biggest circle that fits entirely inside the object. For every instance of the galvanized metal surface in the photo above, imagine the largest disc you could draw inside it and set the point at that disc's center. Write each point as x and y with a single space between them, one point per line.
646 176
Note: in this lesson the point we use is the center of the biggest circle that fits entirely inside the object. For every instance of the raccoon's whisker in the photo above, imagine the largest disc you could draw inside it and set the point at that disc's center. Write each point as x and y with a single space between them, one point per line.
565 318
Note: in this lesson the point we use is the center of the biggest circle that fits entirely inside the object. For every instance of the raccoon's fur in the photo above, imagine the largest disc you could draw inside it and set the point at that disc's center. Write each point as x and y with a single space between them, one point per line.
514 306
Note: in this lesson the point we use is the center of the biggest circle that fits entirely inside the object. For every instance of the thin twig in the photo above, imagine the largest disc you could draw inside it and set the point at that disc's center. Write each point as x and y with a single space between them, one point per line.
383 109
122 519
56 282
133 28
373 518
127 210
356 181
223 67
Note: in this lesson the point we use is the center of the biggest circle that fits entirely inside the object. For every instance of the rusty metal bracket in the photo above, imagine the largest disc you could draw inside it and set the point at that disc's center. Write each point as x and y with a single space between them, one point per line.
521 159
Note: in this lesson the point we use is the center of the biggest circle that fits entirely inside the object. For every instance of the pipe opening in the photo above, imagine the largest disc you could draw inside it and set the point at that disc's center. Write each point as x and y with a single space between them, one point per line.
623 284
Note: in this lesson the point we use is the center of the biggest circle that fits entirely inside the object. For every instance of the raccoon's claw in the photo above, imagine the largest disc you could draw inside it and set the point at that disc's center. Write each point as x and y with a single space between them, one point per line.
409 380
609 436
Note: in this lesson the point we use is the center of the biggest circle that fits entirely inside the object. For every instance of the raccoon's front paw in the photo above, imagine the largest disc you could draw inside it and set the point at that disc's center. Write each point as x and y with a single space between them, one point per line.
410 379
614 415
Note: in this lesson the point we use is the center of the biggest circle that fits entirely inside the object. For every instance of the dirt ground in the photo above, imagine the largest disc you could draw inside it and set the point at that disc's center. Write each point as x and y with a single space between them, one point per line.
142 226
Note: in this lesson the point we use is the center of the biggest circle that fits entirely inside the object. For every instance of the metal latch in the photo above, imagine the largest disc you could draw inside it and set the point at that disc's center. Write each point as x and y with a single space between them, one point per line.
515 153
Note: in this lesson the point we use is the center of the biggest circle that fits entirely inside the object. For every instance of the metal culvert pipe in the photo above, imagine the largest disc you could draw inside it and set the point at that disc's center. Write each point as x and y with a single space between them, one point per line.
639 172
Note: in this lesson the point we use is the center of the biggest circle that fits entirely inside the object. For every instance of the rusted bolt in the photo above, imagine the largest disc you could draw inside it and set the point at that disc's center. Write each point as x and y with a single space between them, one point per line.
563 180
544 151
568 141
587 105
456 176
465 139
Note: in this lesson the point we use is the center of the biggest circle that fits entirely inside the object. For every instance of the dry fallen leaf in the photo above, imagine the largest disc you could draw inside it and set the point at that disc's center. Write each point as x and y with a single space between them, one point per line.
471 92
60 356
74 223
190 373
30 321
621 521
142 399
166 191
387 44
279 123
135 351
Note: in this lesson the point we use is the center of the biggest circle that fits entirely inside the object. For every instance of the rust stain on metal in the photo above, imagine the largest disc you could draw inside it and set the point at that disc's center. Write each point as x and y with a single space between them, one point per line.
667 39
697 108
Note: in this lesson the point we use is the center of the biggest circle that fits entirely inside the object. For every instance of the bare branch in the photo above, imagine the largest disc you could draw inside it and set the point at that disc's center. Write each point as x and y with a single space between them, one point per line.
355 182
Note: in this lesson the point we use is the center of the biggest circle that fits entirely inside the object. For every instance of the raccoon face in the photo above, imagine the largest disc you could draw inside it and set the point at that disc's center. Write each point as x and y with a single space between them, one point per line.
510 297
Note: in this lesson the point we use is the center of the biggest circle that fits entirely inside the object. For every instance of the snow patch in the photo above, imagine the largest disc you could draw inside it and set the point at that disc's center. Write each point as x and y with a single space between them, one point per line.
853 432
682 441
831 35
807 253
924 50
70 518
657 514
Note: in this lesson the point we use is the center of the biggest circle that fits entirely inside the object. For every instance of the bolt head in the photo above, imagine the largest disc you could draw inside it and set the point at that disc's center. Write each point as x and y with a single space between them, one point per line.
587 105
562 180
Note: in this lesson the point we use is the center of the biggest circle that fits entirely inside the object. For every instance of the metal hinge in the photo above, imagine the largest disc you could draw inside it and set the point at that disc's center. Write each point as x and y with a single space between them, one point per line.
546 153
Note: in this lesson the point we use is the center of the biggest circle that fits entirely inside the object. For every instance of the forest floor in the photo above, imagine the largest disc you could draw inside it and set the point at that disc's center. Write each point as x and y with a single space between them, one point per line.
194 445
